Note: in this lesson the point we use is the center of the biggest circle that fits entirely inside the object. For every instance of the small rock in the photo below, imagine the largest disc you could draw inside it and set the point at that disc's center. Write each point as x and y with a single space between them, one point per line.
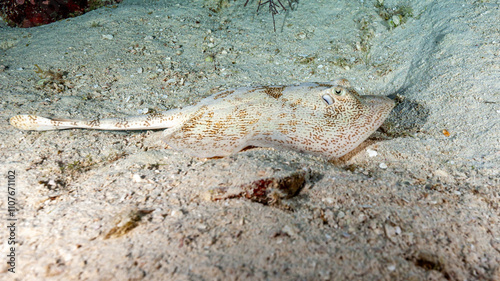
392 231
371 152
397 230
201 226
107 36
441 173
396 20
340 215
382 166
289 230
136 178
328 200
143 111
177 213
171 81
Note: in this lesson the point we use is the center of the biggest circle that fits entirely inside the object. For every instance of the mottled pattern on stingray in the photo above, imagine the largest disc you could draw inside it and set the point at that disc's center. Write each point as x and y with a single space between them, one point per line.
328 119
274 91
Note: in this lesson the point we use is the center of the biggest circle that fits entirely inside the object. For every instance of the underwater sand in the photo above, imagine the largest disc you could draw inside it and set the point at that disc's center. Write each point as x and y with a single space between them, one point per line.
97 205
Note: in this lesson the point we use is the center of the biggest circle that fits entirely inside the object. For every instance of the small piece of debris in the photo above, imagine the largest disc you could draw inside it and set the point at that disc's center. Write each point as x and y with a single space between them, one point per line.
267 190
143 110
125 222
371 152
137 178
289 230
340 215
177 213
107 36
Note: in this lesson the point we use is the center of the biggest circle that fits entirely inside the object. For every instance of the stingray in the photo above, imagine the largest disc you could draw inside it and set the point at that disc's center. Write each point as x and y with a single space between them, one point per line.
328 119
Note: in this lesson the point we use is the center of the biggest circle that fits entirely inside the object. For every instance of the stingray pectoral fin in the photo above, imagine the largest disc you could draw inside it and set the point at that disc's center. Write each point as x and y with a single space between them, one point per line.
201 145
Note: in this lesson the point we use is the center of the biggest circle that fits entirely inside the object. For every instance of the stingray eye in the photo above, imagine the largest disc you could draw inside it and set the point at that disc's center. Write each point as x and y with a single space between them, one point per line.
339 92
329 100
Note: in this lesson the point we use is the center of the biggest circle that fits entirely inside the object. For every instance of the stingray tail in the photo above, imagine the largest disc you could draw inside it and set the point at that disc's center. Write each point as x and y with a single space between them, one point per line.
162 120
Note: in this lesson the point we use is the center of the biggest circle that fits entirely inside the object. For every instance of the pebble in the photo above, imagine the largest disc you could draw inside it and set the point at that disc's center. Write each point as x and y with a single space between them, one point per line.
108 36
328 200
441 173
340 215
136 178
397 230
143 111
171 81
396 20
177 213
371 152
289 230
382 166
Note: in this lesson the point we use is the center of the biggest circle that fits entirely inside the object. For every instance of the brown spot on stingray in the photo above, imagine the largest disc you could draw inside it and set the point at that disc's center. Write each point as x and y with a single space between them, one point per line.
223 94
274 91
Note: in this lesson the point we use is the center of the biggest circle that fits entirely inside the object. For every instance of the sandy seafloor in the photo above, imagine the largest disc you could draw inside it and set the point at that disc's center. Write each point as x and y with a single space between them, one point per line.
121 206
